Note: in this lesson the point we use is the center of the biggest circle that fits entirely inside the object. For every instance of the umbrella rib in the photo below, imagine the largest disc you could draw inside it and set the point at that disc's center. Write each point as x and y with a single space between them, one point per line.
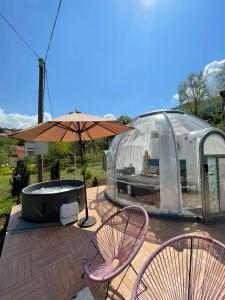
74 124
91 126
88 132
65 132
54 124
84 126
42 132
65 127
107 128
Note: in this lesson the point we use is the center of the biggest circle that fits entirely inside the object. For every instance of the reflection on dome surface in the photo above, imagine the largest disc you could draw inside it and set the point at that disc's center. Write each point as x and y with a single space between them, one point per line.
164 164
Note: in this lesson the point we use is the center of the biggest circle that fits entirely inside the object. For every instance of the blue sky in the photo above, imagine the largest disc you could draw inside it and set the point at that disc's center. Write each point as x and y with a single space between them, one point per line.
107 56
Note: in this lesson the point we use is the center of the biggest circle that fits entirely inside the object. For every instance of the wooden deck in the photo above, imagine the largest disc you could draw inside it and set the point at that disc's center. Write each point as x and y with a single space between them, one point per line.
46 263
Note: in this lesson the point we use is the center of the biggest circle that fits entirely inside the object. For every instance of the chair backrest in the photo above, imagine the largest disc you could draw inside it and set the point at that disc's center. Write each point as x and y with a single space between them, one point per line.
120 236
185 267
124 231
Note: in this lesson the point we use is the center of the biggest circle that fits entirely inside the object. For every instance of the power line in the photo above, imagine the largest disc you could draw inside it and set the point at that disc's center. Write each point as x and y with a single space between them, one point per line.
47 85
53 28
20 36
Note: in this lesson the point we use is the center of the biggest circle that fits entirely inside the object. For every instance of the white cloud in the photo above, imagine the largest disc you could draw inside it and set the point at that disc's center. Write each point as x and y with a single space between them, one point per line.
176 97
110 117
19 121
210 72
213 67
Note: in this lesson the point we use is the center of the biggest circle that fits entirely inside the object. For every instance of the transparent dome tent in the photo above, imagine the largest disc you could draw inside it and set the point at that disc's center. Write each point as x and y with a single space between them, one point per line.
171 163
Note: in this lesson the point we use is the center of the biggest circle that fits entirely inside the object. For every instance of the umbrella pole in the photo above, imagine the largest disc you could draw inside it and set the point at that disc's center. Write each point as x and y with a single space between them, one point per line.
86 221
84 178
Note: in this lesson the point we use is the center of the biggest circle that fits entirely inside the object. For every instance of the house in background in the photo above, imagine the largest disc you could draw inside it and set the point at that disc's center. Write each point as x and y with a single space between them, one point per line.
4 132
18 153
29 148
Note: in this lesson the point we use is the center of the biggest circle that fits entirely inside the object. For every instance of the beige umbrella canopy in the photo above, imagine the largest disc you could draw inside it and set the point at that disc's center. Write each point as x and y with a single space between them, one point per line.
72 127
75 126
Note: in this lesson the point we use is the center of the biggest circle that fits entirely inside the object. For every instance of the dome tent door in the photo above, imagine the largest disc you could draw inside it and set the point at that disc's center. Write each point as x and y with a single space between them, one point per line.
212 153
214 185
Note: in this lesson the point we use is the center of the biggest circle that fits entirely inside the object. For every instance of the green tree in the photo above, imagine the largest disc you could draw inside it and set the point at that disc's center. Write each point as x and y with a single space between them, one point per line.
124 119
193 90
221 79
57 150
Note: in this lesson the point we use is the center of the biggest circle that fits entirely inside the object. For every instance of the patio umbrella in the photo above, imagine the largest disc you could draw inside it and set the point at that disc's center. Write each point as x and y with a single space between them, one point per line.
75 126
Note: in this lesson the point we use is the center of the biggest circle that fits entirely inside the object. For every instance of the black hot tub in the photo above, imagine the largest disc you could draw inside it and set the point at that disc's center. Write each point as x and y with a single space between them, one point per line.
41 202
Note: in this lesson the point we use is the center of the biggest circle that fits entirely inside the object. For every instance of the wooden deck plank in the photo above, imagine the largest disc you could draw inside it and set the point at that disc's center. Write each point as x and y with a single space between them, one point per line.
21 273
21 290
13 272
46 263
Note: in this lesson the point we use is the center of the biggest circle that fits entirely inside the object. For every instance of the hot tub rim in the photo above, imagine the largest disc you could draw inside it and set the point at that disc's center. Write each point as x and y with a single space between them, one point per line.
50 181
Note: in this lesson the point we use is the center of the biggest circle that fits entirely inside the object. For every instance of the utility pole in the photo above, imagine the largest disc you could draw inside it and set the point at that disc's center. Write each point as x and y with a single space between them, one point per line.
222 95
41 113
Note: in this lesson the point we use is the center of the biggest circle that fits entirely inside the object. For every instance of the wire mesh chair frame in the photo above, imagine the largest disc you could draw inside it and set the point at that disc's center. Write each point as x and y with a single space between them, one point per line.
116 243
185 267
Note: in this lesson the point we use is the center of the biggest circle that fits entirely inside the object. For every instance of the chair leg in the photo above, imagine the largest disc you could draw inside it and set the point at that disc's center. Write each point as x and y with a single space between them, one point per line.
107 289
137 275
134 269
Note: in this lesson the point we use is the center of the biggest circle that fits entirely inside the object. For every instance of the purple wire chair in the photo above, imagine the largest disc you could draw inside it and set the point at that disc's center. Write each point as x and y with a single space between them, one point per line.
116 243
185 267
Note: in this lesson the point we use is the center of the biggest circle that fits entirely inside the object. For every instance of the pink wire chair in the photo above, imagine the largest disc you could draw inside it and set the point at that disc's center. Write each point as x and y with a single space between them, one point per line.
185 267
116 243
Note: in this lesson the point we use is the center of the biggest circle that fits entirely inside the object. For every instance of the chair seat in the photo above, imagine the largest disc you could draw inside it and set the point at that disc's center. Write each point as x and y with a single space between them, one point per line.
116 243
102 271
185 267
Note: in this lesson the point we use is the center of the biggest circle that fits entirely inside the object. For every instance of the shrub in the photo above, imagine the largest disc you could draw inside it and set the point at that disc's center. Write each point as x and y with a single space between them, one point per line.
88 174
95 181
55 170
33 168
71 170
20 178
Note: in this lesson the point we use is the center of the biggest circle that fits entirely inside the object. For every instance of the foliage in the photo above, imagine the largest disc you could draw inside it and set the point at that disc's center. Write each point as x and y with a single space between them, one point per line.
33 168
95 181
193 90
31 159
6 205
87 172
20 178
6 170
55 170
221 79
71 170
6 201
209 110
124 119
57 150
6 150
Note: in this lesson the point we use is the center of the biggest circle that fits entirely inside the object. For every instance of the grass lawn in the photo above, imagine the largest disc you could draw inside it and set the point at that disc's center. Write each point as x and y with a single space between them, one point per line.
6 201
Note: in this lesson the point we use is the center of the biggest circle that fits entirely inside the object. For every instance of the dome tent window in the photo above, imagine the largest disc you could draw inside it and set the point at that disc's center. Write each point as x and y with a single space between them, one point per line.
159 165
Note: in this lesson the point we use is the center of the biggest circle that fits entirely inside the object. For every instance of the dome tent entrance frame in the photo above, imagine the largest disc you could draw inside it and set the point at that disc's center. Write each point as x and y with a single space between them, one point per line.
205 193
160 165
